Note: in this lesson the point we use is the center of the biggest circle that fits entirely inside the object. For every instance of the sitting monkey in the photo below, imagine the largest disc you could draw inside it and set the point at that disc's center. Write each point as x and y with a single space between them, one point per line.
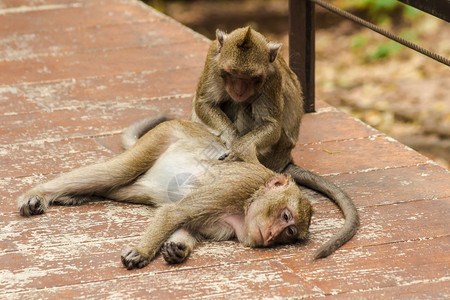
217 199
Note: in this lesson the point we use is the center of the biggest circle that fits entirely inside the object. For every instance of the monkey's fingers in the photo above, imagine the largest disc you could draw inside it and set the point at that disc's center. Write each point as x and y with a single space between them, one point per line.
230 156
132 259
224 156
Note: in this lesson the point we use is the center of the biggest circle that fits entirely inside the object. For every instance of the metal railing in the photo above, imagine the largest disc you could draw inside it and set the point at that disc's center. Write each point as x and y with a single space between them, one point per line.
302 37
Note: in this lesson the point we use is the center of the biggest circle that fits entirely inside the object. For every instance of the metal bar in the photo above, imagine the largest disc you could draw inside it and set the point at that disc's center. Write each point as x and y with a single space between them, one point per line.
381 31
437 8
302 47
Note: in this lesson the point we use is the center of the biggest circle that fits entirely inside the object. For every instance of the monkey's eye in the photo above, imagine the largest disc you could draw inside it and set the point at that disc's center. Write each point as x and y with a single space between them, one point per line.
291 230
286 215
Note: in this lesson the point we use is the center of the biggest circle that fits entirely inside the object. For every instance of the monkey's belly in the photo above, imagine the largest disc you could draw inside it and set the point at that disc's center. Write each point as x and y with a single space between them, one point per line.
176 171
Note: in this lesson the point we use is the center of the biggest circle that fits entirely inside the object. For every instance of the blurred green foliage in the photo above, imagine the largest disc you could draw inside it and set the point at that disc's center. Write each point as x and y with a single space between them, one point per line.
360 43
379 11
382 12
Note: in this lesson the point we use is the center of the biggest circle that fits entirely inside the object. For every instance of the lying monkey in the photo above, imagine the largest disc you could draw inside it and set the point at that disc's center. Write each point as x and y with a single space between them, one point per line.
219 200
249 97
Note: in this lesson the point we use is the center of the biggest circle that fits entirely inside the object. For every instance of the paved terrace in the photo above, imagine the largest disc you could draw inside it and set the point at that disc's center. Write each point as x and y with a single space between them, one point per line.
73 74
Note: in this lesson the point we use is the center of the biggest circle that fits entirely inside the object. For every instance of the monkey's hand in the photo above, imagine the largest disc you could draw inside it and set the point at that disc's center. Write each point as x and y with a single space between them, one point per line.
229 136
175 253
245 151
31 205
132 259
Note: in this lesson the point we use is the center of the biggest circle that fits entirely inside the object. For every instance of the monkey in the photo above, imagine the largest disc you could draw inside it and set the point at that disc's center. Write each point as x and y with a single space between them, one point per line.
240 97
251 99
218 199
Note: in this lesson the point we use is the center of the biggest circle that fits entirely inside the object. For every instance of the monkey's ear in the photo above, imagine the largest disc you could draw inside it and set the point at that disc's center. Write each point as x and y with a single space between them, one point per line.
277 181
221 37
273 51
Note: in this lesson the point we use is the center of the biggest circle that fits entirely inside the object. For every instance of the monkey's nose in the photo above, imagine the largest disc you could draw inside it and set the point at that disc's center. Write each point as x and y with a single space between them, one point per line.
239 86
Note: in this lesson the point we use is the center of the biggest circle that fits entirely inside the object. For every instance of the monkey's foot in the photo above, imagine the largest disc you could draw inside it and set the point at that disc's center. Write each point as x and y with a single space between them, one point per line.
31 205
175 253
132 259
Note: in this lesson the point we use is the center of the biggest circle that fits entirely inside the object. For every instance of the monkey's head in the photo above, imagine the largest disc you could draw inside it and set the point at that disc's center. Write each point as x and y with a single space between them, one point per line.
278 214
245 60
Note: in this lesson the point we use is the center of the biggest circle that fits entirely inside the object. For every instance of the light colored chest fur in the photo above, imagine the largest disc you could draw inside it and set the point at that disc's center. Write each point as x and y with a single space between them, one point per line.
176 170
227 227
219 231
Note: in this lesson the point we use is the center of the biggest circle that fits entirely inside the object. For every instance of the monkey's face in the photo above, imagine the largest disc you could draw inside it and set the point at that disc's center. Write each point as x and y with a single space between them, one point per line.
245 60
274 217
240 86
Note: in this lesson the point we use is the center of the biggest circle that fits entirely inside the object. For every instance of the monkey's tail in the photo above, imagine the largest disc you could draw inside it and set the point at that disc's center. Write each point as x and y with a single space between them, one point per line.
345 204
136 130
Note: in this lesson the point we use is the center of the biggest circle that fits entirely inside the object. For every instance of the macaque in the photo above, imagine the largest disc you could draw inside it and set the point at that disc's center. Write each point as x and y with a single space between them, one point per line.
176 167
251 100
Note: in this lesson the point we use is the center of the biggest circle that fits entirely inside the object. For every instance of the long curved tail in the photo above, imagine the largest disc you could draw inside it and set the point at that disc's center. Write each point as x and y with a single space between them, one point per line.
317 183
132 133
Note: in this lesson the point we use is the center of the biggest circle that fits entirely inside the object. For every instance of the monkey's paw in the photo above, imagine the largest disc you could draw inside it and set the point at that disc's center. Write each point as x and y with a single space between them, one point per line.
132 259
31 205
175 253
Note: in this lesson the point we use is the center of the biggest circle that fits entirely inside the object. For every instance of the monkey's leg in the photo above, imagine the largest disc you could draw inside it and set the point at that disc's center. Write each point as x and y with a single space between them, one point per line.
133 193
178 247
317 183
99 179
68 187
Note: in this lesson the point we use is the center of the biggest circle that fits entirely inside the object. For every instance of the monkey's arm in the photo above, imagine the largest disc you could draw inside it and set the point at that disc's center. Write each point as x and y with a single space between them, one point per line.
247 146
167 220
212 116
263 135
179 246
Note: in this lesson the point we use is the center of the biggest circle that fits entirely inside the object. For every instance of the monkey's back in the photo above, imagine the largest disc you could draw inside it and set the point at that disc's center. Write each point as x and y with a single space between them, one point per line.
279 154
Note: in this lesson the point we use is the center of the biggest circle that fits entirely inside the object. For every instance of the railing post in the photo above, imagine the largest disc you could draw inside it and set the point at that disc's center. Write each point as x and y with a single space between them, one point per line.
302 47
